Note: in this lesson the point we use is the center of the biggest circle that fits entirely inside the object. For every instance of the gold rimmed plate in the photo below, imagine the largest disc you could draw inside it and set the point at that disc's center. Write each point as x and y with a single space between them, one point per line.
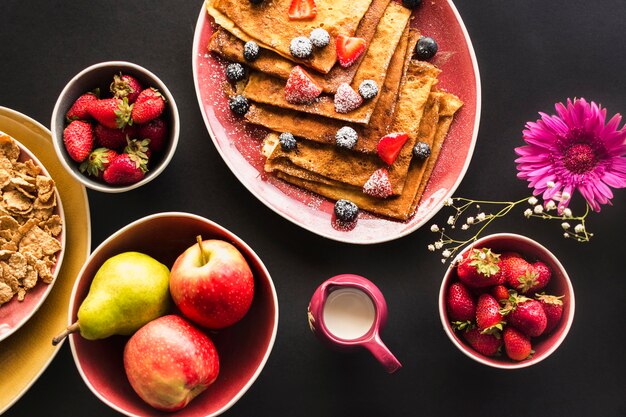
26 353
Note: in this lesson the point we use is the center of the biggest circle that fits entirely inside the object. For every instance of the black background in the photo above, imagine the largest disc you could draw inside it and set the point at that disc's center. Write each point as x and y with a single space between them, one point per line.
531 54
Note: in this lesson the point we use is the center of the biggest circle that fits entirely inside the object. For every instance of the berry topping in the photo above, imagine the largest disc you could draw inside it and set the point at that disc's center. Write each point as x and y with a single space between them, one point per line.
368 89
287 141
421 150
426 48
251 51
411 4
300 88
346 137
238 105
78 140
349 49
378 185
301 47
235 72
79 111
149 105
319 37
390 145
346 99
125 85
346 211
302 9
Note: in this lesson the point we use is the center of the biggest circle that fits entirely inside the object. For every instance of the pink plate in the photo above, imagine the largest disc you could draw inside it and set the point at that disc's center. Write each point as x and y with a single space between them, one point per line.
240 144
15 313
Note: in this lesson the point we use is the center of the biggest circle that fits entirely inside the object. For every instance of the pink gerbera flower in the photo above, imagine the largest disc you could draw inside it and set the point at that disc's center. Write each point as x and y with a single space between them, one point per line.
574 150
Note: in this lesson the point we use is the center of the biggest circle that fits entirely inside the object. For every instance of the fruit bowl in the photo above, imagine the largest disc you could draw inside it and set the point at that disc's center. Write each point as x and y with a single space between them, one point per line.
14 314
560 284
243 348
100 76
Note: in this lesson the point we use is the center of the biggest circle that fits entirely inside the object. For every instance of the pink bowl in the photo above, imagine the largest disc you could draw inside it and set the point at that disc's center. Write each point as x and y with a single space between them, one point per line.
560 284
243 348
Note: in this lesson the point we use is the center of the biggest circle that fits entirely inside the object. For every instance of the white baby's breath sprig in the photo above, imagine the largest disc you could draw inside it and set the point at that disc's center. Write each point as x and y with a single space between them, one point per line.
550 210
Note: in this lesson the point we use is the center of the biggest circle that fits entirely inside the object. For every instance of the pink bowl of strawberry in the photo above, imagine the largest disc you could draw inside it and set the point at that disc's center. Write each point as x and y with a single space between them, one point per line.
115 126
507 302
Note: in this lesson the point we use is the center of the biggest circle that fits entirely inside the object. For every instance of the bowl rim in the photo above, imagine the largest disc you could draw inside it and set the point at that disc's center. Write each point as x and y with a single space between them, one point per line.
492 362
175 128
235 238
63 241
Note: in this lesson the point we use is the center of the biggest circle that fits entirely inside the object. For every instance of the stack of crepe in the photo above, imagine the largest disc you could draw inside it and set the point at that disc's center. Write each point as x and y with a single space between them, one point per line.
408 100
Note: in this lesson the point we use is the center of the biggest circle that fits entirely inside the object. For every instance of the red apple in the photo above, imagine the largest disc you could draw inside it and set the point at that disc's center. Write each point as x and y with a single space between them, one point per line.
169 362
212 286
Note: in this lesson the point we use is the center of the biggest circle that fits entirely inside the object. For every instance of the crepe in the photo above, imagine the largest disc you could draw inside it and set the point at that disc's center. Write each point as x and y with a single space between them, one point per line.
402 206
321 129
268 24
230 47
263 88
355 169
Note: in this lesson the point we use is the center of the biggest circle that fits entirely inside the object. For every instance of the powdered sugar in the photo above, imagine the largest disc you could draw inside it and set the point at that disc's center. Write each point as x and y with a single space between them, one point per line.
378 185
301 47
319 37
300 88
346 137
346 99
368 89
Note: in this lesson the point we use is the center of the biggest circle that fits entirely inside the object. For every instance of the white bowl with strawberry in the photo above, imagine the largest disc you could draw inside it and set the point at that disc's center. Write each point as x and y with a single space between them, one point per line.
115 126
507 302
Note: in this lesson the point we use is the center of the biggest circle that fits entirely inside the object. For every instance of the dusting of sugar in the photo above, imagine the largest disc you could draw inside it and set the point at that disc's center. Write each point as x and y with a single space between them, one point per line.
301 47
346 99
378 184
319 37
346 137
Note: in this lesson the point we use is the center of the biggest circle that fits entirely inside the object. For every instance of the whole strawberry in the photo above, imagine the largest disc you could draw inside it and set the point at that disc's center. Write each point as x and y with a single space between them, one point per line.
149 105
526 315
114 138
124 170
113 113
515 271
78 140
479 268
544 274
460 304
483 343
488 317
516 344
79 111
125 85
500 293
156 131
97 162
553 307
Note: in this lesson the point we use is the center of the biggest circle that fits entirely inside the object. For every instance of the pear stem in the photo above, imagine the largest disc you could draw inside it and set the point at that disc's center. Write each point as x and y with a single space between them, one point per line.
199 240
74 327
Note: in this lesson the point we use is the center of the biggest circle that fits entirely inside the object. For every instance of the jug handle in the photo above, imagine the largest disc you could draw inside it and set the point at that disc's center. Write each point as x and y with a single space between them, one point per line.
382 353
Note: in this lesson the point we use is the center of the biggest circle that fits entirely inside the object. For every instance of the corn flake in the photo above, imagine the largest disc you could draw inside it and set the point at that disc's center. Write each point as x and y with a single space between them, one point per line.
28 226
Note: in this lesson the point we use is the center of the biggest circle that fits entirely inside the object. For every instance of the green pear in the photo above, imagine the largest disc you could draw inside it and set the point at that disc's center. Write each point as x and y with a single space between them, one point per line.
128 291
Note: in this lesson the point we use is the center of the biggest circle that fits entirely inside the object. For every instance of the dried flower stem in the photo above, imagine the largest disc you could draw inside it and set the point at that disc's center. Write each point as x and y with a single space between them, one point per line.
450 246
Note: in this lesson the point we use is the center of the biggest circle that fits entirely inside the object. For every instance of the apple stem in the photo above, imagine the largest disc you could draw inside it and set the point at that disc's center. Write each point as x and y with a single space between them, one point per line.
199 240
72 328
